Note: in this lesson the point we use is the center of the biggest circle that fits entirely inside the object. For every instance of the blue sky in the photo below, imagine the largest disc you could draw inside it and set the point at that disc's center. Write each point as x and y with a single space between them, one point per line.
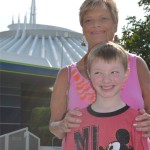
63 13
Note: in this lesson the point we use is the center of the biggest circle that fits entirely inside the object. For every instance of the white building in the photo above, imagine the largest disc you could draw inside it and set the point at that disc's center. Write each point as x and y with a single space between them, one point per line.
30 56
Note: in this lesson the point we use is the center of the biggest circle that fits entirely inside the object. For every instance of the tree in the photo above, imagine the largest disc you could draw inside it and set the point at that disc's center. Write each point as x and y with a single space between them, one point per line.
39 126
136 34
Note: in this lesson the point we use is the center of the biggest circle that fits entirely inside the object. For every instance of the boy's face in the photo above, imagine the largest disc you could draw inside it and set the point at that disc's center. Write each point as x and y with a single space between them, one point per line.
107 77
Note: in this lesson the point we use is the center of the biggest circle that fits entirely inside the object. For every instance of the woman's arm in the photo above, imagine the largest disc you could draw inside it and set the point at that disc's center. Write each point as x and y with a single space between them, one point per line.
144 79
58 103
143 121
61 121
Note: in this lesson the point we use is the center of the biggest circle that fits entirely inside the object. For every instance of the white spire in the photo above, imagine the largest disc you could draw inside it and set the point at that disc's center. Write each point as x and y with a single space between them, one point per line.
25 19
18 27
19 19
33 13
12 19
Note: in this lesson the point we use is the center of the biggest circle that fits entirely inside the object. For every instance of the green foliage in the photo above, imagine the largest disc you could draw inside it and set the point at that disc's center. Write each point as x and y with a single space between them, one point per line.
39 117
47 139
39 125
145 4
136 34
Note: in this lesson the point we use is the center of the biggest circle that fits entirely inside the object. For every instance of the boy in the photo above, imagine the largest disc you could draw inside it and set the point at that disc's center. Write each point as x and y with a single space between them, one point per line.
107 124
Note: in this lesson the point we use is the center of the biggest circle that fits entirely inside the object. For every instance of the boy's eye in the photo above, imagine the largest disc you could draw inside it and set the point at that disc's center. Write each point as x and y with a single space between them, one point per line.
99 74
114 72
96 73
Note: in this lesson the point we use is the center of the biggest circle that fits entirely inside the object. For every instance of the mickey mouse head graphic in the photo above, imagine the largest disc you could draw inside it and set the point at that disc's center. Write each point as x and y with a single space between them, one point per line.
123 137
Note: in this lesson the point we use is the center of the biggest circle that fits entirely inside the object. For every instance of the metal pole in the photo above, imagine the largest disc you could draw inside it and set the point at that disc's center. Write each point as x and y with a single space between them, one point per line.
7 142
26 135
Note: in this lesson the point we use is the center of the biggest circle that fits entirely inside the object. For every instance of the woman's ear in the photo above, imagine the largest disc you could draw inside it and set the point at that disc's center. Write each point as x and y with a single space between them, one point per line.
115 27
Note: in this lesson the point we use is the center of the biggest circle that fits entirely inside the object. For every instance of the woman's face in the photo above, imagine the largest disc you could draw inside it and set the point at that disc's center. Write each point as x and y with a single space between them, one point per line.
98 26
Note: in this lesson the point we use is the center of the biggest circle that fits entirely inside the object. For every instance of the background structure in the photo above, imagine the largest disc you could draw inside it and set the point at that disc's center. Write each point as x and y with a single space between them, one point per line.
30 56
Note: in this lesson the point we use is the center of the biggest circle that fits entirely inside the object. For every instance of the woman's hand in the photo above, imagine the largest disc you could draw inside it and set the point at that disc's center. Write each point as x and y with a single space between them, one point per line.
143 123
60 128
70 120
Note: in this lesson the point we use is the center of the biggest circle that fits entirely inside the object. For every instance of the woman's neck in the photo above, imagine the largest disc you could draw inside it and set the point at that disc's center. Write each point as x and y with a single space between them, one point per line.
82 66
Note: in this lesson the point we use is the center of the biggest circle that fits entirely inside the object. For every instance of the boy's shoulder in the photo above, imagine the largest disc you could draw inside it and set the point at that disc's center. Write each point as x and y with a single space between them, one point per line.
133 111
84 112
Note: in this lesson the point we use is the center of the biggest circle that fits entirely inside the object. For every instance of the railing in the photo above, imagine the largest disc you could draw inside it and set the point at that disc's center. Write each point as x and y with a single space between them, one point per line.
53 146
19 140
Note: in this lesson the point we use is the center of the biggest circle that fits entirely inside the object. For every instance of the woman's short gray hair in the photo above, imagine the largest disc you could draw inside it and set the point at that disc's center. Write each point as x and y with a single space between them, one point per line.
92 4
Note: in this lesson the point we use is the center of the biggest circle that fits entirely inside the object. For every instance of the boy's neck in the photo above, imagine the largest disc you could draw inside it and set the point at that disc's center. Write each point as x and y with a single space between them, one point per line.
105 106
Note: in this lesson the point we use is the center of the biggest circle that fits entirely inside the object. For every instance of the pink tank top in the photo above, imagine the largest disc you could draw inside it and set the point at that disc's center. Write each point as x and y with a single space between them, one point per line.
82 94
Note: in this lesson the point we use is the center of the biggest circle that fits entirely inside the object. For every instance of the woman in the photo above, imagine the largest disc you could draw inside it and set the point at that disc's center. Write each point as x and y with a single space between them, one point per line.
72 89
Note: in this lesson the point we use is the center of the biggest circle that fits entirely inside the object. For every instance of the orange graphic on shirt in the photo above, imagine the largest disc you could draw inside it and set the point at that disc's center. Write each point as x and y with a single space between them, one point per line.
83 87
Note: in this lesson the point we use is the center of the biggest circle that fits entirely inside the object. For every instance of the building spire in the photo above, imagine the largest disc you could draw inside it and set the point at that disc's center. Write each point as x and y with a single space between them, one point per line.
33 13
12 19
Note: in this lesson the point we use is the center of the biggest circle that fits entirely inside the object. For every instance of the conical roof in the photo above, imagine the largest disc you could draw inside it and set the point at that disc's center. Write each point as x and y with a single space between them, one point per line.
41 45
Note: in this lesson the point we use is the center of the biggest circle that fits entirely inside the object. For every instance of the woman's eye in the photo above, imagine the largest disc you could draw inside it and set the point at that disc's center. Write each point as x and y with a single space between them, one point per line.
104 18
88 21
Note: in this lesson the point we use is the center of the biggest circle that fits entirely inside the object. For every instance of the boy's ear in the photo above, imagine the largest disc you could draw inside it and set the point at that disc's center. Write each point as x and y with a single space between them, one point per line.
126 77
127 73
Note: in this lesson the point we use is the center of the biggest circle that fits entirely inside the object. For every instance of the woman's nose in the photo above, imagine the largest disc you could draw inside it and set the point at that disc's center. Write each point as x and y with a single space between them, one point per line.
97 23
